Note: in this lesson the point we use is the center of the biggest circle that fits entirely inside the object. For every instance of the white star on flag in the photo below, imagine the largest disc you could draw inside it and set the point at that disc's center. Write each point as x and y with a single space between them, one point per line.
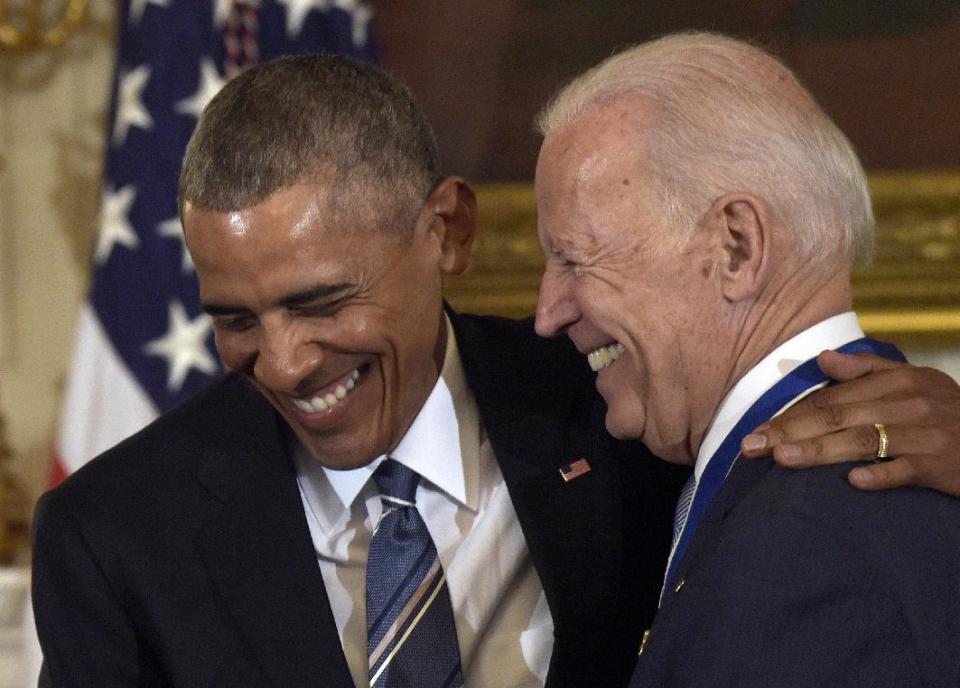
210 84
138 6
297 11
184 346
130 108
115 227
172 228
222 9
221 12
360 16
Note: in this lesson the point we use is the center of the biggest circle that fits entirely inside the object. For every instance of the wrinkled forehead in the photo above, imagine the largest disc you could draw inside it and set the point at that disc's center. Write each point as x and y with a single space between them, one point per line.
605 140
594 187
598 151
287 244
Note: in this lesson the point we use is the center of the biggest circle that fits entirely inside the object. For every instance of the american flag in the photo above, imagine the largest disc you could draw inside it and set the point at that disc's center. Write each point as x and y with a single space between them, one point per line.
574 470
142 344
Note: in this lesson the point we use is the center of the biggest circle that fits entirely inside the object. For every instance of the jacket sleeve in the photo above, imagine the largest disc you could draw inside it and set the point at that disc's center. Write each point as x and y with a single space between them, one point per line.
87 637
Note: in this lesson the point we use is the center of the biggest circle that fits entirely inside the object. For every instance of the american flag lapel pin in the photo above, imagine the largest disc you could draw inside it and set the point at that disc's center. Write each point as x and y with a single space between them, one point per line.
574 470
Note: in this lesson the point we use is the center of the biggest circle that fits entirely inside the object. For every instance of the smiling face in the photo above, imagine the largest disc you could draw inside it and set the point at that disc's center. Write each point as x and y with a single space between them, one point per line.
339 326
645 313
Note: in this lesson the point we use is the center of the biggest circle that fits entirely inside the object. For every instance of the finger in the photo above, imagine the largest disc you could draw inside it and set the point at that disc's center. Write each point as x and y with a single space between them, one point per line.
936 397
881 384
881 476
862 443
858 443
815 422
886 378
840 366
912 469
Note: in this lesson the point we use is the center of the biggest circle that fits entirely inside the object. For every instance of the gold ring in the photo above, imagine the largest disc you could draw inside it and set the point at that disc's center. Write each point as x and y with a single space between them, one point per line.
884 444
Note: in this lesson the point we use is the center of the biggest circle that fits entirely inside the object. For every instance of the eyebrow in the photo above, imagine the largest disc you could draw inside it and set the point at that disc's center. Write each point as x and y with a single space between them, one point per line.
299 298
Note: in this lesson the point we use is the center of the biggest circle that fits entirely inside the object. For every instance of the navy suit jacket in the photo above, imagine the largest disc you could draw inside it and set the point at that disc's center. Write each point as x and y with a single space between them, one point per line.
182 556
795 578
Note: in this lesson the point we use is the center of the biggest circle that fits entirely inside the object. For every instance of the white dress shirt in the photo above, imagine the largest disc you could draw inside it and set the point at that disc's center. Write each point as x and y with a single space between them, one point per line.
831 333
503 623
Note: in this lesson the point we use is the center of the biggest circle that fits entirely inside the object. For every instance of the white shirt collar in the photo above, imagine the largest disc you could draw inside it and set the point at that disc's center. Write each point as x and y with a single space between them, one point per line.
828 334
431 447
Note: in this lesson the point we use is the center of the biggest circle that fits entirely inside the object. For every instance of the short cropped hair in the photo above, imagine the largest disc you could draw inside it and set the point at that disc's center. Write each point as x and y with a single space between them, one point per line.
311 118
730 117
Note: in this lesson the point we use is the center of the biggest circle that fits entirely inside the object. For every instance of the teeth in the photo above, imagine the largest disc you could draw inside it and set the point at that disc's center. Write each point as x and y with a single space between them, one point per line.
604 356
325 402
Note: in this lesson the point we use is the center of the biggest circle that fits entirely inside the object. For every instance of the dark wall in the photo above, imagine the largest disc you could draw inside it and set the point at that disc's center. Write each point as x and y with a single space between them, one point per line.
887 71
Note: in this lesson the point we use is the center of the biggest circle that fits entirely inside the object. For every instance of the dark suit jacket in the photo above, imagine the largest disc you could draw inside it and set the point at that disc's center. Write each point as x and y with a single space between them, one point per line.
182 556
795 578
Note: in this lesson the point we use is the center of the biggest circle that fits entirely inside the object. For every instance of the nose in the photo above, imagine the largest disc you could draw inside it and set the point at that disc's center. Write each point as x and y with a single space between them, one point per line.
556 309
285 360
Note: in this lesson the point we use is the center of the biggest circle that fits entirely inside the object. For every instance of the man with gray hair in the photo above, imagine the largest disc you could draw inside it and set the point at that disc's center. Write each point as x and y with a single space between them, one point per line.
700 216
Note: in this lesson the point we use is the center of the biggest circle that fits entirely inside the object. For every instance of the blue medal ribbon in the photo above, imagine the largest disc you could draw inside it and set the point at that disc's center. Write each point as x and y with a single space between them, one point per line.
802 379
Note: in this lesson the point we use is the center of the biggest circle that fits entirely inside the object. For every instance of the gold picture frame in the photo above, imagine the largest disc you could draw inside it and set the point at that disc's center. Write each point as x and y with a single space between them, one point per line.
911 293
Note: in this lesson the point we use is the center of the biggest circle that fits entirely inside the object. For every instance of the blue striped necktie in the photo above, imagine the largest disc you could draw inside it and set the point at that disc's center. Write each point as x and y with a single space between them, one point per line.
683 509
411 637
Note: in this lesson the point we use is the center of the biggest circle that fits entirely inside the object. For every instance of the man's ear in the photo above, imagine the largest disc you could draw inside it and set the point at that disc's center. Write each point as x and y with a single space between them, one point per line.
741 222
451 210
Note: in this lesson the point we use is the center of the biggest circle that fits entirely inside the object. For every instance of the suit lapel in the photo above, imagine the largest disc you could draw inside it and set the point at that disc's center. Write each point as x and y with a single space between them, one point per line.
259 554
743 476
528 421
559 518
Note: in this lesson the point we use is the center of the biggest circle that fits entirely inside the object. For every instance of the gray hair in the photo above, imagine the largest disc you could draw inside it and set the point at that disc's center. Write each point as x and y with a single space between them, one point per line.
311 118
730 117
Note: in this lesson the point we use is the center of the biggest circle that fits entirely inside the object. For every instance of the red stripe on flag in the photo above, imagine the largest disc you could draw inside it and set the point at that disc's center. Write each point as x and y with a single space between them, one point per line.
57 472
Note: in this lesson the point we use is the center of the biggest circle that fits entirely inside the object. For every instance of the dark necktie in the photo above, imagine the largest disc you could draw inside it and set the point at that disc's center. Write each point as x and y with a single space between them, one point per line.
411 637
